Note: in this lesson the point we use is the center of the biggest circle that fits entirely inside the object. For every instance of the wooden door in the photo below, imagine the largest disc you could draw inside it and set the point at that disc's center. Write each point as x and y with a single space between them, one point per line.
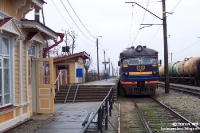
45 86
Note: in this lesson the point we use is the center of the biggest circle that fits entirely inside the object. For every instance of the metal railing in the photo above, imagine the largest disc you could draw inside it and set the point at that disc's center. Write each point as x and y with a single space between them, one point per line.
57 82
68 90
75 93
102 112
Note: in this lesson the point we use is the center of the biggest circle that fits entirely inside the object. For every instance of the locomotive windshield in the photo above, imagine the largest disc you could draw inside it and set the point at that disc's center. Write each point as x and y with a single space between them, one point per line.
145 60
139 60
134 61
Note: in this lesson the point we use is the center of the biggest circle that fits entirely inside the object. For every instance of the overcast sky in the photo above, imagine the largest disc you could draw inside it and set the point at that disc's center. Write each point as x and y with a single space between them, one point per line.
118 23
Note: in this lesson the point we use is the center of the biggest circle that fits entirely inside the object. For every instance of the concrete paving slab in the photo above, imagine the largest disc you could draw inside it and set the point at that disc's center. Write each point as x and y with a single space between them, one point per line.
72 115
58 131
42 117
63 125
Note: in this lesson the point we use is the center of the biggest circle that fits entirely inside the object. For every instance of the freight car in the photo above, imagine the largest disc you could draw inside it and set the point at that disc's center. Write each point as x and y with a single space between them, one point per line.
186 71
138 71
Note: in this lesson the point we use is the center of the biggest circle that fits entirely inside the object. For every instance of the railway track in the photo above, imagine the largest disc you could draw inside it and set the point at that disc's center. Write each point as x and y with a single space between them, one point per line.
157 117
182 89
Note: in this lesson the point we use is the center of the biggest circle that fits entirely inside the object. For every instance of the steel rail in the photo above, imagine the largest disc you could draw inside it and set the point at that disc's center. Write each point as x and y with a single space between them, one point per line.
178 115
145 124
183 89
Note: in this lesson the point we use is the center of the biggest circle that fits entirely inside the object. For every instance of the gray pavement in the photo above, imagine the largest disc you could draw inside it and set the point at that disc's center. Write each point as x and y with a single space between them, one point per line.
110 81
70 116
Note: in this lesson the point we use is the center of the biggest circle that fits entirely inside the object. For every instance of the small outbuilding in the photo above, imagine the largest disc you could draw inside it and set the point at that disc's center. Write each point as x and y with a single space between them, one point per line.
70 68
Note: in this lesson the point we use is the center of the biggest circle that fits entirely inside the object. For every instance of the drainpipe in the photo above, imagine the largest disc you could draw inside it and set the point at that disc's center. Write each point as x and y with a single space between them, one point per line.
45 50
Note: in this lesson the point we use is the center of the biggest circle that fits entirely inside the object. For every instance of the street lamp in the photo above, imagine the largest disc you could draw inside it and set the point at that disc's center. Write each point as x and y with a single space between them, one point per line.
98 57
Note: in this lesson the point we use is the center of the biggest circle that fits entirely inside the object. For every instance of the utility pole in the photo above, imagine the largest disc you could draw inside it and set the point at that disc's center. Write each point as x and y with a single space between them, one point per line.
171 57
98 60
98 57
165 48
104 59
112 68
109 66
66 59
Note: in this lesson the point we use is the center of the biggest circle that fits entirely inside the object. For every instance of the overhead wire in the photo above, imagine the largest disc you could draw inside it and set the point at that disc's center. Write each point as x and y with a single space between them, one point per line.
154 35
140 23
186 47
86 42
67 22
79 19
61 14
161 25
74 21
176 6
131 25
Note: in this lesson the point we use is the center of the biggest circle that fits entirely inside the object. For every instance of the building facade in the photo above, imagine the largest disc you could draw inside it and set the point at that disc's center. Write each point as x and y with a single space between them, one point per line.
26 78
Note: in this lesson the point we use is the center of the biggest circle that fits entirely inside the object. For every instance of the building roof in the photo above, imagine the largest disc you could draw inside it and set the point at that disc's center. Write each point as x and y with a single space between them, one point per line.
39 2
83 54
4 21
13 27
46 32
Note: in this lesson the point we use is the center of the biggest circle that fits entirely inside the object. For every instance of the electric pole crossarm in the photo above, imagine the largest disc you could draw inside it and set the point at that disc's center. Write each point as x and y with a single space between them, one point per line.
145 9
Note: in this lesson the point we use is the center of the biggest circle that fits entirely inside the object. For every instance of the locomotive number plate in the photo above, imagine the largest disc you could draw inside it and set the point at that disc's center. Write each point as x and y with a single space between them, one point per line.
140 68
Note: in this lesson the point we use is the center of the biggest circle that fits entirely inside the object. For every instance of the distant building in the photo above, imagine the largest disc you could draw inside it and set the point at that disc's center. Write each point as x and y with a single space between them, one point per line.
74 63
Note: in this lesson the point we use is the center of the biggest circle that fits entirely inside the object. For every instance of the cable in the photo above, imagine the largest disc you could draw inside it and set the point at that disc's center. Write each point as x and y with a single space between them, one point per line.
176 5
187 47
131 25
145 11
138 29
61 14
79 19
141 23
85 42
74 21
160 26
154 35
67 23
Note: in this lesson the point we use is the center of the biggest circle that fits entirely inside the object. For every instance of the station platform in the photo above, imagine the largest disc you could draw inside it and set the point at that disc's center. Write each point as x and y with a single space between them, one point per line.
109 81
70 116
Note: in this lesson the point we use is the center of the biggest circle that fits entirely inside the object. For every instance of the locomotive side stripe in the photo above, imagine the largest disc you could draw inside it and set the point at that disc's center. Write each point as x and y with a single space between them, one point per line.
151 82
137 73
128 83
134 83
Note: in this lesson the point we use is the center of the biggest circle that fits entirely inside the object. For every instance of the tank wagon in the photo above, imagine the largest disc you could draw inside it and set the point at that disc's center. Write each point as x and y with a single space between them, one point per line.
138 71
186 71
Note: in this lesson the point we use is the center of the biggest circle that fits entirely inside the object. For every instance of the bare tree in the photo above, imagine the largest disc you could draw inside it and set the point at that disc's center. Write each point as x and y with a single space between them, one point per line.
91 75
73 36
87 65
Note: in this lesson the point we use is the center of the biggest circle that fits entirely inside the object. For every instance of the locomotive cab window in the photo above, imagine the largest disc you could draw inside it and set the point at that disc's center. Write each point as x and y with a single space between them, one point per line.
145 60
134 61
125 63
154 61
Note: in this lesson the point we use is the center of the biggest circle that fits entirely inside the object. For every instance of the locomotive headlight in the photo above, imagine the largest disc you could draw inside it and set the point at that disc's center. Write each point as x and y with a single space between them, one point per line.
139 48
154 72
126 73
